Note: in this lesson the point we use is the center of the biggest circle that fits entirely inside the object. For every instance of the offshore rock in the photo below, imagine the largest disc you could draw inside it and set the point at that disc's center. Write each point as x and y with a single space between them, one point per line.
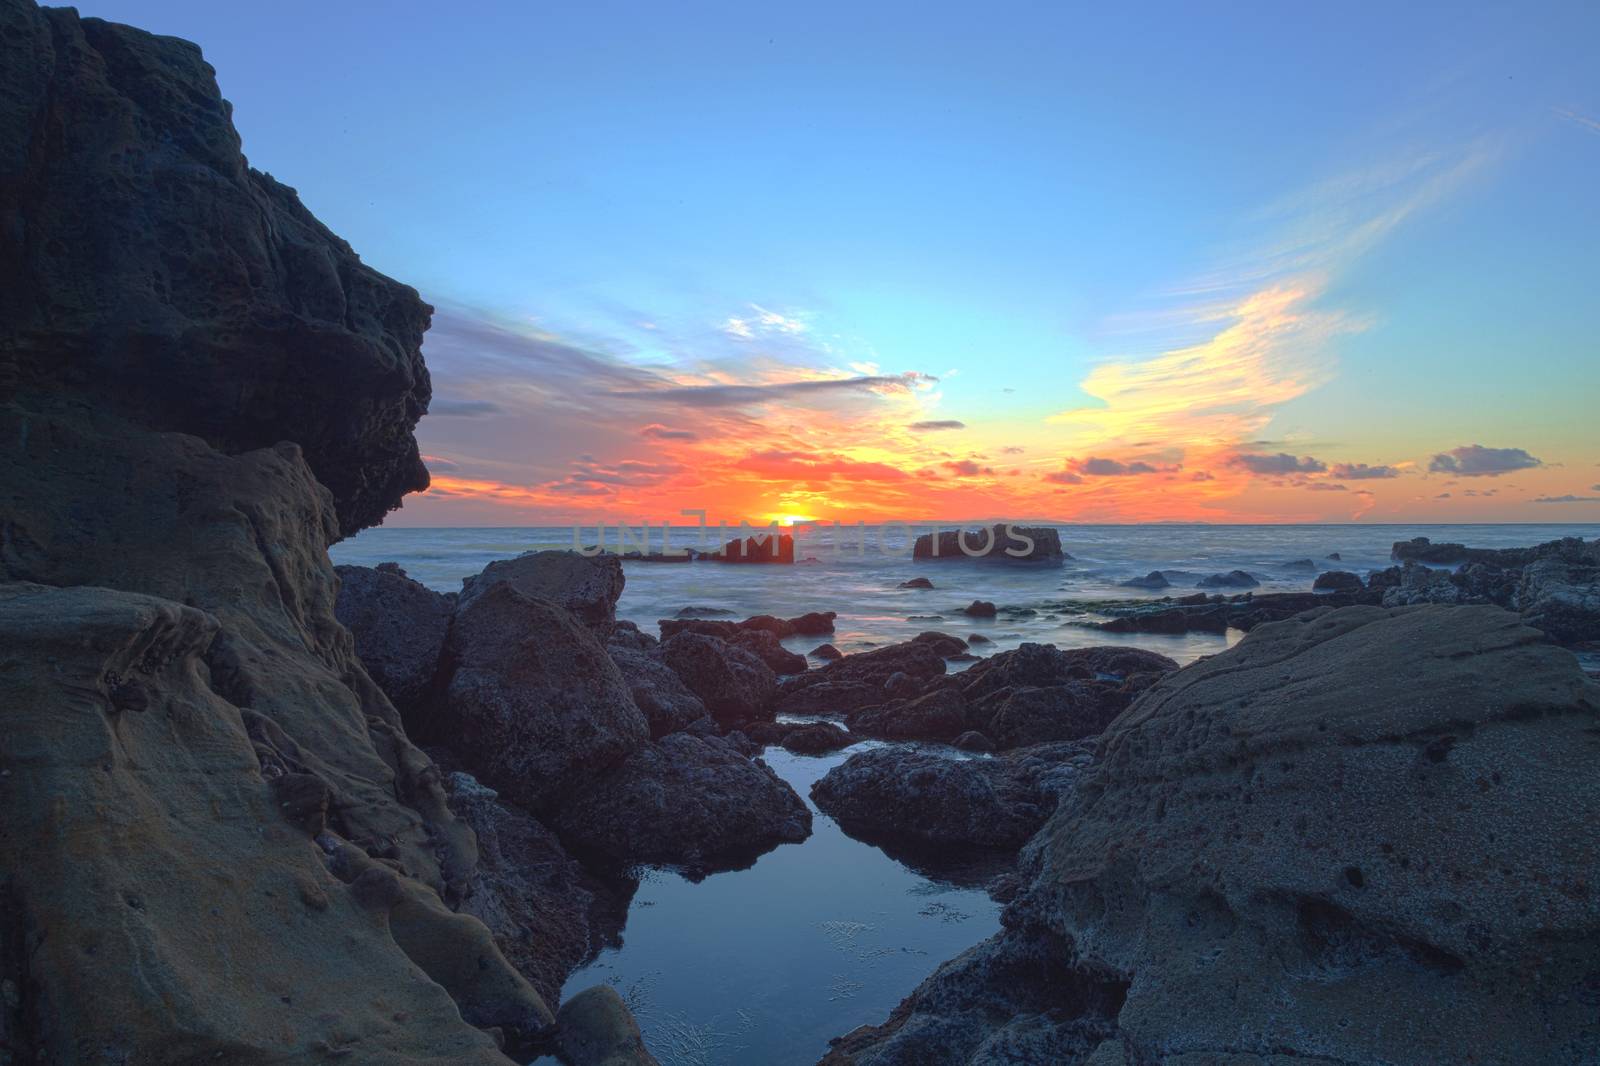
1002 541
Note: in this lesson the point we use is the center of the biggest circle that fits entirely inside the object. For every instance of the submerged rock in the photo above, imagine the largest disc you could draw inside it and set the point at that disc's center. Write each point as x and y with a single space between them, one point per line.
688 801
595 1028
916 583
399 627
1155 579
1233 579
1304 843
979 609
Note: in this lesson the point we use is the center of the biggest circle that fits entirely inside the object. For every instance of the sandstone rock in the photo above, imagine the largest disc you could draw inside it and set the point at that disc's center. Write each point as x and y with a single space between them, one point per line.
1002 542
533 702
165 281
587 587
687 801
595 1028
735 685
1302 844
666 701
399 627
1336 581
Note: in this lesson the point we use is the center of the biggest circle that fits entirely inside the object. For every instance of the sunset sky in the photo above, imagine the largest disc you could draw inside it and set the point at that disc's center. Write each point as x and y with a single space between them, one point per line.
1199 262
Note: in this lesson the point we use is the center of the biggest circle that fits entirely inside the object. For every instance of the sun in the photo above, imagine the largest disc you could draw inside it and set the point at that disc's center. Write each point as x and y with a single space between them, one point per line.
790 519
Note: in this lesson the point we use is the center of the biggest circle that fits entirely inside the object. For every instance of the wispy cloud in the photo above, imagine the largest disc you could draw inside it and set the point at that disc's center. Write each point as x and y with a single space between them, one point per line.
1581 120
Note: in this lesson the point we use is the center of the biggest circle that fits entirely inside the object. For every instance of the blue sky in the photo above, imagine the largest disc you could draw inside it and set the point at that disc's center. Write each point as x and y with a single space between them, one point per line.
1000 197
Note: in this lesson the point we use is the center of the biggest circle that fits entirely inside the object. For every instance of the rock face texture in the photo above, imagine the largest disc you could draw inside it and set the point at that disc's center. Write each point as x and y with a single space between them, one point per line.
139 250
1359 836
399 627
207 807
587 587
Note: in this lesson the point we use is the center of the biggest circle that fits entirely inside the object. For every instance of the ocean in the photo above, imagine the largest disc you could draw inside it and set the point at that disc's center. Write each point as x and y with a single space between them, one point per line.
763 965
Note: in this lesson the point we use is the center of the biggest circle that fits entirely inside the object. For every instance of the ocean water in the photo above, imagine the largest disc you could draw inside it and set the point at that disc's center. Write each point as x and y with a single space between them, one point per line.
763 965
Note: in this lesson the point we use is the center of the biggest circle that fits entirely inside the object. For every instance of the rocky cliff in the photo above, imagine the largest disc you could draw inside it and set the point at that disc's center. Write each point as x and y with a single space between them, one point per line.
217 842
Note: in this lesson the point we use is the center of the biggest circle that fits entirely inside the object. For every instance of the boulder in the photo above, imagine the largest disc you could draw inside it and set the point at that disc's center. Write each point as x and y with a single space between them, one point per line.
1359 836
399 626
916 583
1155 579
979 609
1336 581
1562 598
533 703
587 587
816 738
628 635
735 685
595 1028
827 652
657 691
938 715
1002 541
859 680
1233 579
685 801
765 646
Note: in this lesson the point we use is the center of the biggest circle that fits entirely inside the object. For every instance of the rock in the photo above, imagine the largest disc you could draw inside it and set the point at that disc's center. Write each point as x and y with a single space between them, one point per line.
916 583
735 685
918 799
628 635
1422 550
155 255
1003 541
1021 716
1336 581
972 740
814 623
137 794
979 609
979 638
688 801
1305 564
399 627
1198 613
702 612
762 548
827 652
587 587
1155 579
1233 579
1303 841
937 715
816 738
595 1028
1562 598
533 702
547 914
764 646
1335 556
858 680
657 691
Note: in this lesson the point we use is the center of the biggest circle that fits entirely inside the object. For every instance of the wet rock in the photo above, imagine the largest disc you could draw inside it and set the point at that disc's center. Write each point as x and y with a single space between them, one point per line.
735 685
916 583
763 548
399 627
546 913
595 1028
979 638
1233 579
1562 598
979 609
972 740
657 691
1155 579
1003 542
816 738
703 612
1335 557
859 680
1336 581
1308 907
938 715
827 652
814 623
533 702
587 587
1202 614
687 801
764 646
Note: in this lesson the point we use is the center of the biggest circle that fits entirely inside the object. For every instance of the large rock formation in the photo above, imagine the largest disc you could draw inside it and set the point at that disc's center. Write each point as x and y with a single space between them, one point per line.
1002 541
217 843
1360 836
147 270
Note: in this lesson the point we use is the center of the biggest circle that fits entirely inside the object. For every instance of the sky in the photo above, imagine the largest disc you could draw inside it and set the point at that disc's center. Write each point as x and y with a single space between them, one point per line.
860 262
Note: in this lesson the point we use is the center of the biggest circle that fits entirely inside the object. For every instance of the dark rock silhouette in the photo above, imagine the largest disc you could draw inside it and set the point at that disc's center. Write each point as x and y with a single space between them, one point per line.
1001 541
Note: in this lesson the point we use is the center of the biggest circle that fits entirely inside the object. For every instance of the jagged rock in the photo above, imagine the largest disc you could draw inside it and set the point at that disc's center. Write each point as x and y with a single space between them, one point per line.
764 645
1155 579
1562 598
587 587
666 701
1001 541
1301 844
547 914
1233 579
164 281
533 702
979 609
735 685
1336 581
399 627
688 801
595 1028
172 814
